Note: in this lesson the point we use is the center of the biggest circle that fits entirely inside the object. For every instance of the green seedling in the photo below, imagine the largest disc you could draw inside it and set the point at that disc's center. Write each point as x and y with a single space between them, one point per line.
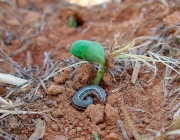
91 52
96 137
72 22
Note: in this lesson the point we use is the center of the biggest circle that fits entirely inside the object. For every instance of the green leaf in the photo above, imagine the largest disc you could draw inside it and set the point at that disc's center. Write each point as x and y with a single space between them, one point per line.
94 52
96 137
72 22
78 48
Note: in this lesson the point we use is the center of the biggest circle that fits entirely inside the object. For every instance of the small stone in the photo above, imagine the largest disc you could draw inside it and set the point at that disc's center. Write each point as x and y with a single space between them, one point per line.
111 114
112 136
95 112
79 129
60 137
55 89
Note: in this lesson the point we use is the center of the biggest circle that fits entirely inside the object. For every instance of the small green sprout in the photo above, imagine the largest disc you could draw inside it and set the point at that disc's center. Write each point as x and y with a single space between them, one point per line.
91 52
96 137
72 22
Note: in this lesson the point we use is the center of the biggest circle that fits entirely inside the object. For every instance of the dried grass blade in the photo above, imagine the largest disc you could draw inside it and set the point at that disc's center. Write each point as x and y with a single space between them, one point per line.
135 73
130 123
175 107
172 92
124 133
39 130
3 101
19 112
143 59
42 84
176 115
174 132
14 64
124 49
10 79
169 60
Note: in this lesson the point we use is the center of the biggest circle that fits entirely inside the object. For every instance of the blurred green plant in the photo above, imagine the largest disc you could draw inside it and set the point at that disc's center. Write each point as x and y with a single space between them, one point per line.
91 52
72 22
96 137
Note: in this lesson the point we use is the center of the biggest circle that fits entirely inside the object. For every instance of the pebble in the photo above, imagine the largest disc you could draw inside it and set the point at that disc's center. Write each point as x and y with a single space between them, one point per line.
55 89
95 112
111 114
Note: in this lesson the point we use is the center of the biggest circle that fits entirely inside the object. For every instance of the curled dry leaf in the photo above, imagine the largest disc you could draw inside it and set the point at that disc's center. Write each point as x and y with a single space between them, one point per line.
39 130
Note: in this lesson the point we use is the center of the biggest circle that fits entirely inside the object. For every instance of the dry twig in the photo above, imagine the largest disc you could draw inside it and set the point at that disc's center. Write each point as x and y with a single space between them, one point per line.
130 123
121 126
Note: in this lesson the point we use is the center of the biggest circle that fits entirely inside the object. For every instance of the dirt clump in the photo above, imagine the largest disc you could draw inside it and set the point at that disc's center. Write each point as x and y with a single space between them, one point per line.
95 109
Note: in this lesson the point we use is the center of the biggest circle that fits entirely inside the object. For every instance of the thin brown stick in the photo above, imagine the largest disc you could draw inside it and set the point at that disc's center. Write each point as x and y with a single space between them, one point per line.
14 64
130 123
29 60
121 126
